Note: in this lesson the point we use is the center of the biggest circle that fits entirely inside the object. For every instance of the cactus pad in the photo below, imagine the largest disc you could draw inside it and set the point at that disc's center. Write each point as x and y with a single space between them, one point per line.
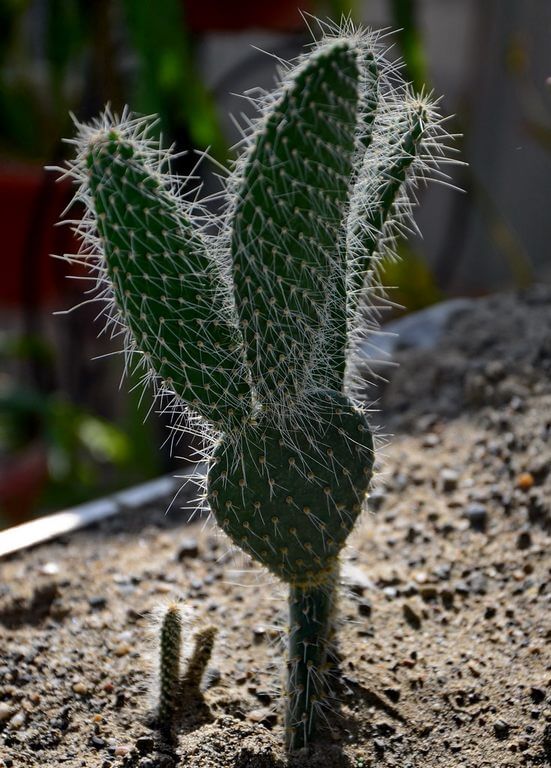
288 232
291 499
165 284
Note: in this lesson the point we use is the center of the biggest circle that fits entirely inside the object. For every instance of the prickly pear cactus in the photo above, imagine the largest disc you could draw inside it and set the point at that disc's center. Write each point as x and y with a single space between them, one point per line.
253 330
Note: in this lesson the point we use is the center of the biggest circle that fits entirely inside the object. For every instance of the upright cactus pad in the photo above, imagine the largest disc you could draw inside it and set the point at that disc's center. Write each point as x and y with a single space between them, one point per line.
292 202
253 329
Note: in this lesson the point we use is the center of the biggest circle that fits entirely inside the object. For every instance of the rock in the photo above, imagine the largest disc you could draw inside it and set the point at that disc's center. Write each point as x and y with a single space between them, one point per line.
537 694
428 592
461 587
264 717
490 612
376 500
411 616
449 479
49 569
188 549
525 481
80 687
501 729
364 608
431 440
122 649
393 694
524 540
18 720
97 603
478 583
443 572
98 742
145 744
477 515
6 711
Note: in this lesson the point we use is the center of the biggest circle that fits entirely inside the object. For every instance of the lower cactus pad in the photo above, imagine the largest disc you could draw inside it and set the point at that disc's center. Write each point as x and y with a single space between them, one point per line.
290 497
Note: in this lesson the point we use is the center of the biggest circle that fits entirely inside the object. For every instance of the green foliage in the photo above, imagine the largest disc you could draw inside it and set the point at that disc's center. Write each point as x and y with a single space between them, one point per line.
251 321
84 454
74 51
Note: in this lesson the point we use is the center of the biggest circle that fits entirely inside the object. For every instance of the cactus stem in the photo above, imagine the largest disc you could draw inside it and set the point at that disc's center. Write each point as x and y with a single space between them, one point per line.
311 618
171 642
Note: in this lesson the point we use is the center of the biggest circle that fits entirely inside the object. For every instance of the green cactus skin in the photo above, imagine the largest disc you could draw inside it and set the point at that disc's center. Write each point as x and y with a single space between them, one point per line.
203 644
377 202
292 201
165 283
169 672
311 614
254 329
290 497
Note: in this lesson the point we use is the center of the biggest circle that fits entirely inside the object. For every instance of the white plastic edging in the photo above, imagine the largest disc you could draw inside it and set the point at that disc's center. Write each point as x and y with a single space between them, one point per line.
51 526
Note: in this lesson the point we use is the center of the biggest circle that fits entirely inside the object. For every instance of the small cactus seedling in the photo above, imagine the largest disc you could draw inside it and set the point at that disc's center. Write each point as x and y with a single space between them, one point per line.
252 328
203 643
179 689
169 665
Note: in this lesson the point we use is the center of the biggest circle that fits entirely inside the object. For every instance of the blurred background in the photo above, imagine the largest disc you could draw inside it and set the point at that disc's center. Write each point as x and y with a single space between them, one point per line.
69 430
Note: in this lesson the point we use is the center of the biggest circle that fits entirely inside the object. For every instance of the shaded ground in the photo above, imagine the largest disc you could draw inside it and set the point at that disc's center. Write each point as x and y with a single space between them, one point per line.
446 631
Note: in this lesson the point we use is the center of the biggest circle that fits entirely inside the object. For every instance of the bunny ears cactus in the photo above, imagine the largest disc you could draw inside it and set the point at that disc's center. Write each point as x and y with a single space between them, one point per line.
252 327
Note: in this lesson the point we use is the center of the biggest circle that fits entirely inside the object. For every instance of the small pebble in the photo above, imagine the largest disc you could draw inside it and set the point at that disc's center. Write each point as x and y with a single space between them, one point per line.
448 480
431 440
263 716
501 729
525 481
411 616
477 515
145 744
393 694
188 549
6 711
364 608
80 688
49 569
122 649
524 540
537 694
17 720
97 603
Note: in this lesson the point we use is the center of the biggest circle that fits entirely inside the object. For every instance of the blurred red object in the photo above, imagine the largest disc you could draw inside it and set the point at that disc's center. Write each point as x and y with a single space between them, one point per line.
22 480
219 15
31 203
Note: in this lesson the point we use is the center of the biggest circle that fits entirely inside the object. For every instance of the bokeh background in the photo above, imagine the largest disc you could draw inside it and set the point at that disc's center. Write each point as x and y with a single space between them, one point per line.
69 429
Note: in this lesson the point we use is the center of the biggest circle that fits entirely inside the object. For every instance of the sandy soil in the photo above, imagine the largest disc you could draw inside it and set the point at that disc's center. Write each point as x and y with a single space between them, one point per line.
445 634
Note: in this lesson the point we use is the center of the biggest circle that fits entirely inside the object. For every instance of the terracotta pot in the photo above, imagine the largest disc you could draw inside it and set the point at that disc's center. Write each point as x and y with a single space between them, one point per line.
31 203
220 15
